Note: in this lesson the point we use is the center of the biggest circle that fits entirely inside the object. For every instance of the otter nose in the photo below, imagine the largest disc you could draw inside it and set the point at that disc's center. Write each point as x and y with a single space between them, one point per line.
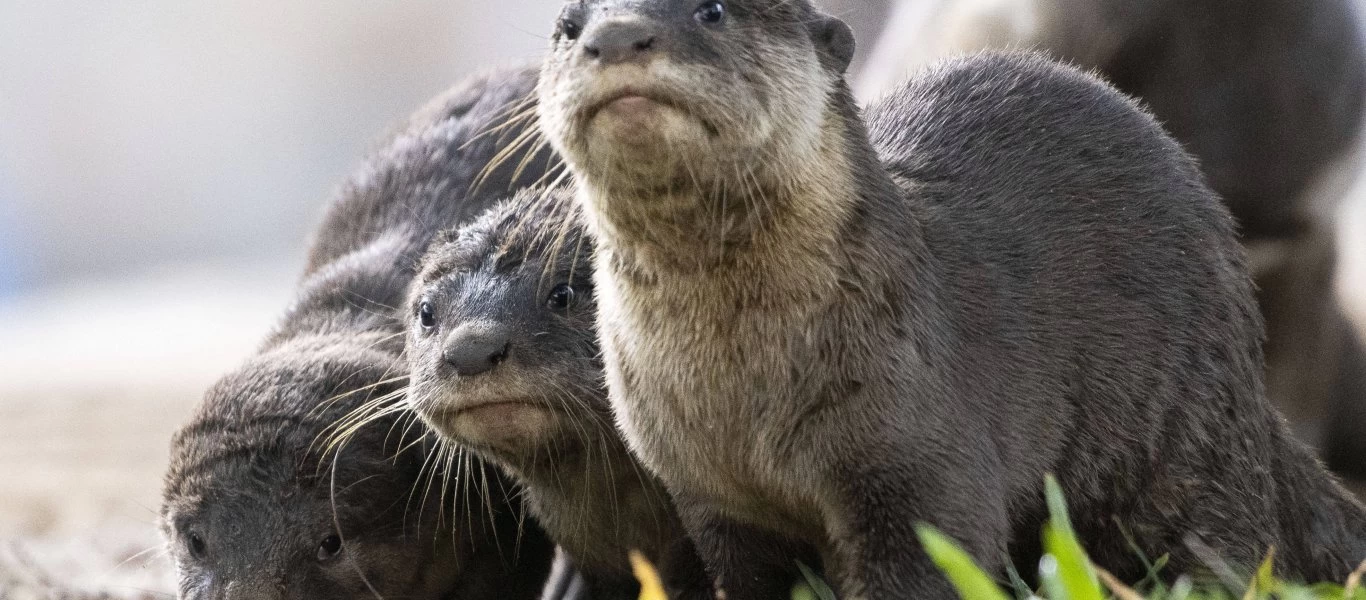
475 349
621 41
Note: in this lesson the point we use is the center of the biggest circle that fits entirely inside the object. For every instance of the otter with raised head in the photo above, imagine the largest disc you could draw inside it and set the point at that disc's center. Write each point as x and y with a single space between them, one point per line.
505 362
828 338
252 508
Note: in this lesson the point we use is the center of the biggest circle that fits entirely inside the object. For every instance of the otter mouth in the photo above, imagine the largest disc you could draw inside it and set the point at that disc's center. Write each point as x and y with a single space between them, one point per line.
482 409
633 99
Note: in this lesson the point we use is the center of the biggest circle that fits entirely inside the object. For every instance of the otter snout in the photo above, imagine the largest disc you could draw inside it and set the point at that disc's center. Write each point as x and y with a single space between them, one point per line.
475 348
623 40
250 589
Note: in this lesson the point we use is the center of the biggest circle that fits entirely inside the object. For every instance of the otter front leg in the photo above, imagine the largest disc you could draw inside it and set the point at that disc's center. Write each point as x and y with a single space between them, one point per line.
746 562
874 551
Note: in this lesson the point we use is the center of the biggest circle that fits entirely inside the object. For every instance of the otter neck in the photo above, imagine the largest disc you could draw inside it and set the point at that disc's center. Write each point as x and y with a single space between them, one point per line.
789 209
597 503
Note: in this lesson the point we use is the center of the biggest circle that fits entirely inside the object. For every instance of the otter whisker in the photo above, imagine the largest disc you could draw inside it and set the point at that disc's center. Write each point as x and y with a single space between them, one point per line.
346 427
484 489
418 482
158 548
508 116
336 524
439 458
541 143
522 140
353 294
325 404
413 420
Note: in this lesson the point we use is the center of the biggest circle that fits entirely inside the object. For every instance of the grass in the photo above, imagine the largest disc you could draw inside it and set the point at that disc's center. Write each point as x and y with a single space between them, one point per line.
1066 573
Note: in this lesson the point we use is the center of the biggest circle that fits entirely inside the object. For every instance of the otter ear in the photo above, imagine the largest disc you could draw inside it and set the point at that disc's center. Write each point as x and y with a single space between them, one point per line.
834 40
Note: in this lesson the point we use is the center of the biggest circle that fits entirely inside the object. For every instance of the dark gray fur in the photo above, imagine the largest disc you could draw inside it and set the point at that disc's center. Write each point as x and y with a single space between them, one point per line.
1015 272
248 474
1268 95
579 480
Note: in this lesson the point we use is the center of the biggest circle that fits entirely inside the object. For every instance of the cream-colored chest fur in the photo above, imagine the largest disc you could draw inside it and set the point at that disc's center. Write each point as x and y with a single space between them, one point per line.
706 377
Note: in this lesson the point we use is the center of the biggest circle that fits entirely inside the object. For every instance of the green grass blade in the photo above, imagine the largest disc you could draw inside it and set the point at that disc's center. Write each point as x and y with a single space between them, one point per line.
1264 580
970 580
814 588
1074 570
1017 583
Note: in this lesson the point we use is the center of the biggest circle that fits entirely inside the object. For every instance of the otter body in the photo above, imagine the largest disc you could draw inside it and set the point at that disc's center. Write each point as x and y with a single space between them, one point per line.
817 340
254 505
1269 96
505 362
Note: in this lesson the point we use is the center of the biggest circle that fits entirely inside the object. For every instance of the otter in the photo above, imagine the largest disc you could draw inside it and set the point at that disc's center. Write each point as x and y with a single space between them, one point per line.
256 504
1270 96
819 331
504 362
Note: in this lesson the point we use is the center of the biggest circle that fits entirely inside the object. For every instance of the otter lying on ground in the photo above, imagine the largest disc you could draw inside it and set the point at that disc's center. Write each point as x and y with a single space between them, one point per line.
505 362
819 339
253 509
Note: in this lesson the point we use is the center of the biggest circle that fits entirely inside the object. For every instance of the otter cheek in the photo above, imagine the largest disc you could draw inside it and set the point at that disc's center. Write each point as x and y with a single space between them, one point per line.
508 425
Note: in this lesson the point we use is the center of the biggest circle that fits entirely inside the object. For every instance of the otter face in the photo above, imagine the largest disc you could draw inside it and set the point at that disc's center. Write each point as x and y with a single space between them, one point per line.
645 93
501 344
253 510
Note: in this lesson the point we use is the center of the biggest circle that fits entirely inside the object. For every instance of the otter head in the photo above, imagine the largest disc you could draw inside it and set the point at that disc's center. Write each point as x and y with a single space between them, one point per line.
254 507
658 95
501 344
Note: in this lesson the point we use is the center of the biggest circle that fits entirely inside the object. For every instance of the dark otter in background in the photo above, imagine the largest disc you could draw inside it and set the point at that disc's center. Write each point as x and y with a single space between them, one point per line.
1268 95
505 362
828 337
250 510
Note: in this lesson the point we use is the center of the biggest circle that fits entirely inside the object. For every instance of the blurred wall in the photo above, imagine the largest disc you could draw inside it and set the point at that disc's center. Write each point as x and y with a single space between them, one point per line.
138 131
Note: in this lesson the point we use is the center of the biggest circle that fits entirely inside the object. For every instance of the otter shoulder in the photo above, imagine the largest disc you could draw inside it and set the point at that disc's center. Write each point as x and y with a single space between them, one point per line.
995 113
441 160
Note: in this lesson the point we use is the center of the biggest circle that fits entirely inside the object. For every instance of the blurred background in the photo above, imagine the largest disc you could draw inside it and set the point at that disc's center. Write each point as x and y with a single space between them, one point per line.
162 164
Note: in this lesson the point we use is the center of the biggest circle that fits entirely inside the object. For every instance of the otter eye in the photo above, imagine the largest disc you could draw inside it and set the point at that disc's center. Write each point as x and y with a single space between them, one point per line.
561 297
710 13
195 545
330 547
569 29
426 316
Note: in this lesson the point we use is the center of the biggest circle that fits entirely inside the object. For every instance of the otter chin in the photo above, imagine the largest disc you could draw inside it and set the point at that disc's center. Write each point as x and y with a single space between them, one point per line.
629 125
504 425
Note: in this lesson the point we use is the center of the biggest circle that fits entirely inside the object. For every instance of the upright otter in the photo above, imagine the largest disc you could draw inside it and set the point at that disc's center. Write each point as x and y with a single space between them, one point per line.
1270 96
829 339
505 362
248 509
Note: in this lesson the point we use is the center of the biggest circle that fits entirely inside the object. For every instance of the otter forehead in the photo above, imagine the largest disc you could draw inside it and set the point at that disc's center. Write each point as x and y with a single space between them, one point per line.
262 428
772 11
681 29
531 227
